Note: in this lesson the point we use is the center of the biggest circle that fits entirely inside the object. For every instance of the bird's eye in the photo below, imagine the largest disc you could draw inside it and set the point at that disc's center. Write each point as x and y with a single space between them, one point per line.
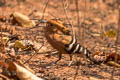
51 24
67 32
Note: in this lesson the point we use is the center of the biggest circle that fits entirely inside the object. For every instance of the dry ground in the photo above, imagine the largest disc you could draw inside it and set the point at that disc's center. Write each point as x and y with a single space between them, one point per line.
93 15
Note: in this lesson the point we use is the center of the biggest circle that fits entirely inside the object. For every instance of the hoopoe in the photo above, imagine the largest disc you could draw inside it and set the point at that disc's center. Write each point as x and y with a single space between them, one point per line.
59 37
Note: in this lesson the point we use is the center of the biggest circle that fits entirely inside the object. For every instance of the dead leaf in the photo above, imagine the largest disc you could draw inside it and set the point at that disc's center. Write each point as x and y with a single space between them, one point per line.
12 52
25 66
24 74
22 20
5 39
3 77
96 20
2 63
19 44
112 63
92 78
11 66
3 18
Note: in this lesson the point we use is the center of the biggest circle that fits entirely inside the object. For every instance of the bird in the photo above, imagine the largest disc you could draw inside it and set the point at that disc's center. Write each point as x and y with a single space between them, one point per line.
59 37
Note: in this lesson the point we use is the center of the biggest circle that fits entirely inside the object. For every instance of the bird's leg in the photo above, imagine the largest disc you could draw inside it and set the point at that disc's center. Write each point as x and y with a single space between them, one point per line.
60 56
70 60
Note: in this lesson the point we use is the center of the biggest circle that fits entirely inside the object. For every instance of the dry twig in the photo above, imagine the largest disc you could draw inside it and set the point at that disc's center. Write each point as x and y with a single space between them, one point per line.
116 43
36 52
65 5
